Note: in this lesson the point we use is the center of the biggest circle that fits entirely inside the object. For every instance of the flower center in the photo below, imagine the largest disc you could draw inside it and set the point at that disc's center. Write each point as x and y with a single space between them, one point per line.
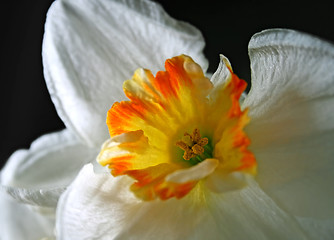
196 149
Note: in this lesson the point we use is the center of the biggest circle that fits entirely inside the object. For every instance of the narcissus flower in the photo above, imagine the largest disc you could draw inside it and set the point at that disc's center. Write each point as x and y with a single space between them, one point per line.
187 161
182 143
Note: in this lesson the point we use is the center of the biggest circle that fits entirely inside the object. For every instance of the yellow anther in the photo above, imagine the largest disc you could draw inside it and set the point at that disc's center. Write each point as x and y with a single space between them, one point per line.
192 145
196 137
188 154
203 142
197 149
182 145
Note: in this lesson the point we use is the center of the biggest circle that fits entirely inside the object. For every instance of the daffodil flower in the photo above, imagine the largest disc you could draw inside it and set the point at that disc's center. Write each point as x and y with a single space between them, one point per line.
181 162
188 161
89 48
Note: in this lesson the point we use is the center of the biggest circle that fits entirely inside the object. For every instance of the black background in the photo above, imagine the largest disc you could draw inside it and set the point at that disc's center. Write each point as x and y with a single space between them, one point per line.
26 108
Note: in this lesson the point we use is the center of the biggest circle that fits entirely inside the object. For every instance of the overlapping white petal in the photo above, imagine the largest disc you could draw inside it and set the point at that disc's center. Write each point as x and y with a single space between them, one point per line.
91 47
39 175
104 208
22 222
317 228
292 120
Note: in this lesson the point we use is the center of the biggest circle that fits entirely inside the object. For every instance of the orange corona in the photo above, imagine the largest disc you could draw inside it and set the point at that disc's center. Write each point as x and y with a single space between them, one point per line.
150 138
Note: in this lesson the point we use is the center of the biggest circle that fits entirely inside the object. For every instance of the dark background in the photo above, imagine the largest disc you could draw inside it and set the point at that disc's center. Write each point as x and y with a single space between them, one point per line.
26 108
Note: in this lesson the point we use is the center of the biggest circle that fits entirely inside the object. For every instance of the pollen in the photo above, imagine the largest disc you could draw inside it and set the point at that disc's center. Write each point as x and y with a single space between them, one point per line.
192 144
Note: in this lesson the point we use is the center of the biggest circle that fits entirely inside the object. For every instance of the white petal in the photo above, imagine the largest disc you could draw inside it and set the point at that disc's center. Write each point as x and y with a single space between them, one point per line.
39 175
221 182
318 229
104 208
292 120
91 47
21 222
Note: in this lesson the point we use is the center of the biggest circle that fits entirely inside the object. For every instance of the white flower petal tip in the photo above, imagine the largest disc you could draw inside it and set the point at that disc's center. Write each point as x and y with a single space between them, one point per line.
44 198
292 120
39 175
287 65
107 33
194 173
286 37
225 61
223 72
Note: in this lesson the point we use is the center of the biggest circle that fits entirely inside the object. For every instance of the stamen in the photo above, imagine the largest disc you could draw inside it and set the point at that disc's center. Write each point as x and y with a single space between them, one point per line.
182 145
196 137
197 149
192 144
